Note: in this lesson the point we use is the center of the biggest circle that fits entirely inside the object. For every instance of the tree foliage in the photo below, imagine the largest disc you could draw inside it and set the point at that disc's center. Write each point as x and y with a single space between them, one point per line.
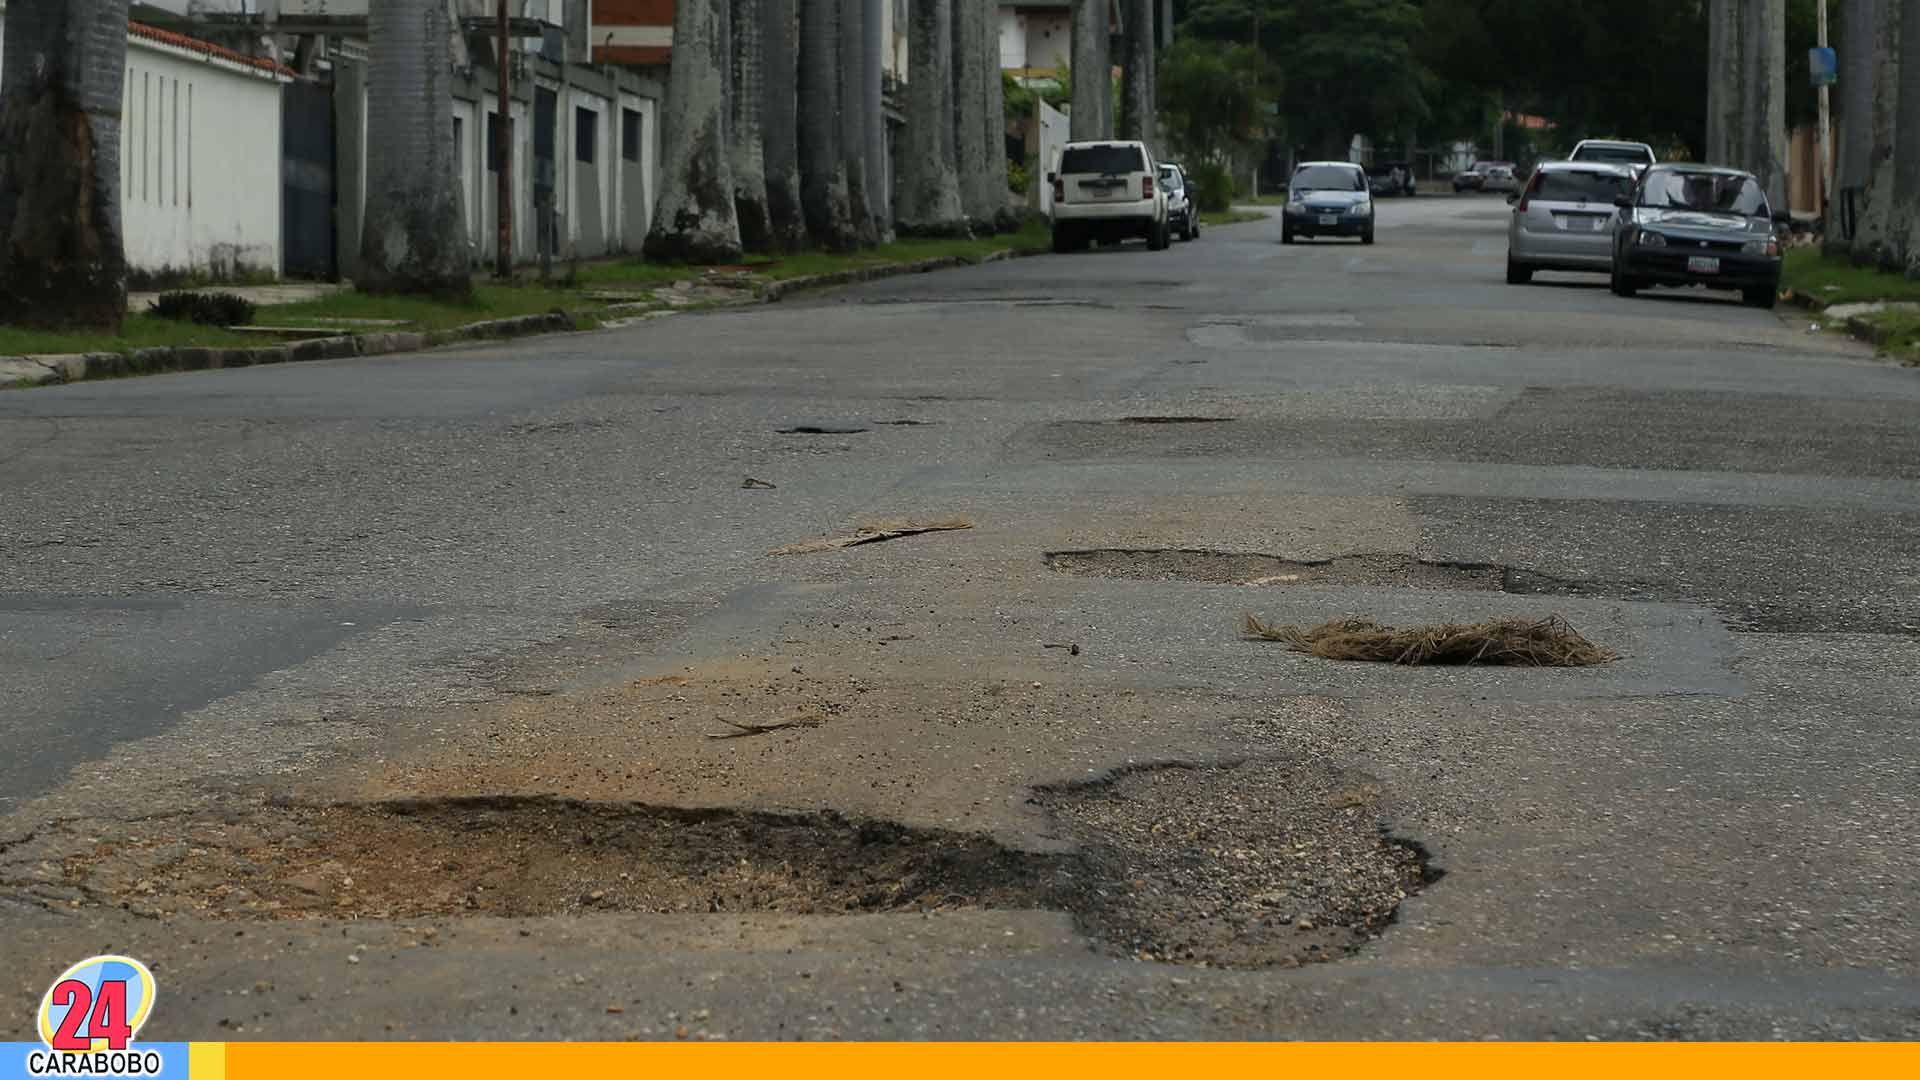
1213 98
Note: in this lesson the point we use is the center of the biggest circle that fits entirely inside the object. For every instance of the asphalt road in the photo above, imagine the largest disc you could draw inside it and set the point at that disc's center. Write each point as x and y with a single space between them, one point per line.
374 698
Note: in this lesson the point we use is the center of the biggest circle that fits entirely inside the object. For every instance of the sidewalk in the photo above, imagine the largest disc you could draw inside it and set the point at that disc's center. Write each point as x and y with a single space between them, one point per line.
289 292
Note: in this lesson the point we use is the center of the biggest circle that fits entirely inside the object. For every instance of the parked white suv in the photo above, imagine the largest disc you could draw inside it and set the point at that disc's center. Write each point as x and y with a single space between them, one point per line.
1634 155
1108 191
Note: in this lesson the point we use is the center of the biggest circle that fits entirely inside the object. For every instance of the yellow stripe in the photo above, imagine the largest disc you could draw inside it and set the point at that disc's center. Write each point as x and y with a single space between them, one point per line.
207 1061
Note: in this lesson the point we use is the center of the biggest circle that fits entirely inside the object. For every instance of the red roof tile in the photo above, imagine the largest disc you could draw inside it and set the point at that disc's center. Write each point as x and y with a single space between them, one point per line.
205 48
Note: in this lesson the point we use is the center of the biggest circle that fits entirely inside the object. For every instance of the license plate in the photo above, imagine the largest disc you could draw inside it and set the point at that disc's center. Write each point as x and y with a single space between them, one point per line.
1102 193
1702 264
1329 219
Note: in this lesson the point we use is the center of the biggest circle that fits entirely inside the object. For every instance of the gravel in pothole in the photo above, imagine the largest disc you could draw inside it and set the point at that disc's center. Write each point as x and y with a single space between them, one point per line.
1257 865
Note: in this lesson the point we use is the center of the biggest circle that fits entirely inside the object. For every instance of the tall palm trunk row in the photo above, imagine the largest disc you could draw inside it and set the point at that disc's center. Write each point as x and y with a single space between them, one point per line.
775 138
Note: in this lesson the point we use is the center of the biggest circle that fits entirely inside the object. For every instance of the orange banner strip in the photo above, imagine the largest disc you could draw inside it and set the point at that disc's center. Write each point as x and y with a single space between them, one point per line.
1057 1061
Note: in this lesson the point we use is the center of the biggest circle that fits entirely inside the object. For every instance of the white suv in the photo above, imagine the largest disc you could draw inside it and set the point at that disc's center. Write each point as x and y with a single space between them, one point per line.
1635 155
1108 191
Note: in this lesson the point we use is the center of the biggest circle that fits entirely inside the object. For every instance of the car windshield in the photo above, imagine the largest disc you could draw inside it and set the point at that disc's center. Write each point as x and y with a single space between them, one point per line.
1327 178
1581 185
1711 193
1101 159
1632 155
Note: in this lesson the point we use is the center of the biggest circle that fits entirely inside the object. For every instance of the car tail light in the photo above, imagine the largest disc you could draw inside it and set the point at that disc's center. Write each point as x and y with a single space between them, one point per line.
1059 189
1146 187
1532 186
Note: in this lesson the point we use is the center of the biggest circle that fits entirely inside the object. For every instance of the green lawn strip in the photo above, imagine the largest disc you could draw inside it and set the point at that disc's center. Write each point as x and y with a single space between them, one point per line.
1836 281
1231 217
421 313
138 332
1895 332
613 275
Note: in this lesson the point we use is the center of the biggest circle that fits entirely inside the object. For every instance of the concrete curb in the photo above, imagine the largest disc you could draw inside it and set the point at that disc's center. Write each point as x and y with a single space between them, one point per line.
25 371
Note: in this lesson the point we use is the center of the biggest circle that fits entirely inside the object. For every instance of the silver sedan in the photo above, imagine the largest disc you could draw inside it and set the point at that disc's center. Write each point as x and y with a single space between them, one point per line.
1563 219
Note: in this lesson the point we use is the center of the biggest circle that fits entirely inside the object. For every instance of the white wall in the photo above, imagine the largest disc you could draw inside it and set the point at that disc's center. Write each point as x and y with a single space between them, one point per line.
1013 39
199 163
1049 40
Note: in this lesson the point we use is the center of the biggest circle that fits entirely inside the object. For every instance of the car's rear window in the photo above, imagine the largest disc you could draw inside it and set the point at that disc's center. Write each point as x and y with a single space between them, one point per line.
1327 178
1102 159
1581 186
1631 155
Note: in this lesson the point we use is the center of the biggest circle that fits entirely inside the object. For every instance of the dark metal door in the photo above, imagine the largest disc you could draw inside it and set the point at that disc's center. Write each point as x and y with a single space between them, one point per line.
306 219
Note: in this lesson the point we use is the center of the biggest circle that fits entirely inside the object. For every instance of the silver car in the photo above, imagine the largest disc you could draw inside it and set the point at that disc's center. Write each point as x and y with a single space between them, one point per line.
1564 219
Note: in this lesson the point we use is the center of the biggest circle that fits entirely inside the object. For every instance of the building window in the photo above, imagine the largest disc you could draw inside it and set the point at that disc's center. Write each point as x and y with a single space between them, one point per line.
459 140
630 134
585 127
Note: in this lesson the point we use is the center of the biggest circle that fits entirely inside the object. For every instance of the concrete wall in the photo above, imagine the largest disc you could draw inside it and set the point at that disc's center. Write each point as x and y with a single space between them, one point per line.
200 164
1040 40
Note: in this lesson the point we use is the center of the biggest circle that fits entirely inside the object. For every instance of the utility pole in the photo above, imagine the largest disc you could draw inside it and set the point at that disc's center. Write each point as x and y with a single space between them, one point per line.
1826 152
504 264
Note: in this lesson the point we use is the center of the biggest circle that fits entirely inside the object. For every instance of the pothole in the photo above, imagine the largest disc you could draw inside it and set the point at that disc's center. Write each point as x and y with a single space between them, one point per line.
820 429
1254 865
1252 568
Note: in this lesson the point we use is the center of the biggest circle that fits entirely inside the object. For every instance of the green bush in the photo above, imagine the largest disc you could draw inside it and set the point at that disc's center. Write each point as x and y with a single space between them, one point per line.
1212 187
1018 179
207 309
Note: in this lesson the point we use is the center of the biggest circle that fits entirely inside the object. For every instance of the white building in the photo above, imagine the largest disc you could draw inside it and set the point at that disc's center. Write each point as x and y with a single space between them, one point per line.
199 157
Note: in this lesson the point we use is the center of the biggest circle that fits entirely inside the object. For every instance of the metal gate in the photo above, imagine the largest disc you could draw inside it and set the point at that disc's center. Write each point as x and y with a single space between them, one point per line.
306 198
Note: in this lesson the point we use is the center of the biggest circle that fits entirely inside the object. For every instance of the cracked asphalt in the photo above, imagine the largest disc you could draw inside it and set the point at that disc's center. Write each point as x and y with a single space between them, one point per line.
337 691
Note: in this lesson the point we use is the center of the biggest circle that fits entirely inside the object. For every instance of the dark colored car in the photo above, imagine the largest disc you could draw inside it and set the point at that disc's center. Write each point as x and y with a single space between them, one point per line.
1390 177
1183 217
1698 225
1328 198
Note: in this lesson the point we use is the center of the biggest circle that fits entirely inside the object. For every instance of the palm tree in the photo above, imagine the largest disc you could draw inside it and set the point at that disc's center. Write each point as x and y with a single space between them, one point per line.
879 176
779 123
861 179
412 236
927 194
1003 218
1903 253
695 220
1872 237
749 160
823 168
1137 76
1853 166
969 103
63 258
1092 72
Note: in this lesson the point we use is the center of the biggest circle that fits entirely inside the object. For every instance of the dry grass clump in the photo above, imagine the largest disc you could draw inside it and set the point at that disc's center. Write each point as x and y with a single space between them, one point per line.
1548 642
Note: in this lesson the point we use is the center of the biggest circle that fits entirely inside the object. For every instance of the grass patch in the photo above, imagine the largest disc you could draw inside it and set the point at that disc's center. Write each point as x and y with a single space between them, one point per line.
1032 236
421 313
1836 281
138 332
1230 217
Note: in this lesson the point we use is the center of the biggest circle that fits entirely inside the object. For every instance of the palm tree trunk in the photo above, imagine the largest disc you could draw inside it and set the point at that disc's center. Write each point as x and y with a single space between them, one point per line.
1904 251
853 118
780 138
749 160
996 110
879 174
927 194
63 261
1137 76
823 168
969 102
695 220
1871 231
1092 73
1854 163
412 237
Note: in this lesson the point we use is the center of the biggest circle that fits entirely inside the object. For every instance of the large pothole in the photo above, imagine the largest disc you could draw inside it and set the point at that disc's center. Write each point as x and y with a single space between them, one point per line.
1254 865
1253 568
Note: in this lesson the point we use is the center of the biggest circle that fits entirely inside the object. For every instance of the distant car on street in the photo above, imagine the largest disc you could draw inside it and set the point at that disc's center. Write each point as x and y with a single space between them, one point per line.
1634 155
1698 225
1183 217
1471 177
1501 176
1390 178
1327 198
1564 219
1108 191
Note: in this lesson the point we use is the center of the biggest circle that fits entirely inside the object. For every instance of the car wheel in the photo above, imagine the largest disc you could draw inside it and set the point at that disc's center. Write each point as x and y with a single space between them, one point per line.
1763 297
1367 237
1518 273
1063 239
1286 234
1622 284
1156 238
